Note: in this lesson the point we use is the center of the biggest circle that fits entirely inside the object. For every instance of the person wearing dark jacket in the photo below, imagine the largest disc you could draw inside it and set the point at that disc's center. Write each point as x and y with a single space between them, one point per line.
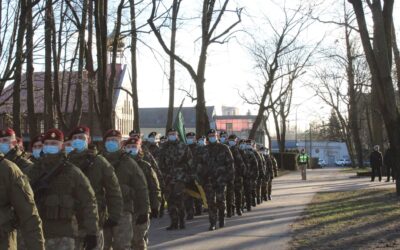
376 160
389 162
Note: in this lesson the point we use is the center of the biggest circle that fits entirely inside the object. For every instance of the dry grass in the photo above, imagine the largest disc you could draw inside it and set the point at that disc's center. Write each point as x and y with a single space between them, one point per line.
361 219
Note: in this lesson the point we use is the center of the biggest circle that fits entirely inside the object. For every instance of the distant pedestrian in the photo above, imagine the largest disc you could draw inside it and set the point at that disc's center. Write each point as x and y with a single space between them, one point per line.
376 160
303 161
389 162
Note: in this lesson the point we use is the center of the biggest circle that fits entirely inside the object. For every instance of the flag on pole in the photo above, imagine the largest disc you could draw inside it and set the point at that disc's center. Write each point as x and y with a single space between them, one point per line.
179 124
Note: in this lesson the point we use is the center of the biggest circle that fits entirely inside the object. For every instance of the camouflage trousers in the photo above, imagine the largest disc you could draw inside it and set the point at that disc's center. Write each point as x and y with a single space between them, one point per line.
258 187
248 184
266 187
139 238
82 234
119 237
216 200
175 193
8 240
238 186
230 194
62 243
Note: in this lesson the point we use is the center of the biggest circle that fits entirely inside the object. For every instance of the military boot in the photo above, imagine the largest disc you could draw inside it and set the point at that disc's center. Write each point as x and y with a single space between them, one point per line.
212 227
258 200
233 210
269 197
173 226
221 217
162 207
253 202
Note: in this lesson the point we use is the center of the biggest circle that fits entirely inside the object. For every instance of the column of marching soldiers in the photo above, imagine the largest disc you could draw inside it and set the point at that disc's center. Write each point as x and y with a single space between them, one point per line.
66 194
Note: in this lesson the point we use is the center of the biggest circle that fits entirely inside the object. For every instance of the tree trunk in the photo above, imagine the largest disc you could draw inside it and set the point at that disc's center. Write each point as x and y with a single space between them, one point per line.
135 99
202 121
353 112
48 86
19 58
170 116
396 55
30 97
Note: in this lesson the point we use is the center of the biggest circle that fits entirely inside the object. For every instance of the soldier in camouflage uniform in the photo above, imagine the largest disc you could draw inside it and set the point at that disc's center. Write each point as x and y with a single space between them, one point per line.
9 147
37 148
103 180
16 201
189 200
240 172
59 186
251 176
214 174
177 168
152 145
134 149
261 172
134 192
153 160
268 176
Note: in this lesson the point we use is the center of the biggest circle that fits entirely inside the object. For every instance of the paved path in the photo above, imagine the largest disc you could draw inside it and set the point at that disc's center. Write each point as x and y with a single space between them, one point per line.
268 225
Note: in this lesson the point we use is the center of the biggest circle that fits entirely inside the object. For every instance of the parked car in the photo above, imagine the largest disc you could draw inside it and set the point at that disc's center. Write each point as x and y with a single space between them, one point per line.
322 163
343 162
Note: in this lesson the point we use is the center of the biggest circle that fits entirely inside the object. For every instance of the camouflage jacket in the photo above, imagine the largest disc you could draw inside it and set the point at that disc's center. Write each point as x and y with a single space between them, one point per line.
269 174
104 182
176 162
20 158
68 194
132 181
261 164
152 181
218 165
239 164
153 148
274 165
147 156
16 201
251 164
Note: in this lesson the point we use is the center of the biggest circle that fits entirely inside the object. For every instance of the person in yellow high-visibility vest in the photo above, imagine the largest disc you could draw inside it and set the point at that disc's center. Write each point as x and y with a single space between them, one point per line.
303 161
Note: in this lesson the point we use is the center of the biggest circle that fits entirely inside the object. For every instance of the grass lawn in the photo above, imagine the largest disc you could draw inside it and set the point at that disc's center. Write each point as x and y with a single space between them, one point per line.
361 219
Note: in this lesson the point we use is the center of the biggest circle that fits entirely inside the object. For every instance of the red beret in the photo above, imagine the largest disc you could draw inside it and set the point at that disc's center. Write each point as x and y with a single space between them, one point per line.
80 130
54 134
133 140
112 133
37 138
7 132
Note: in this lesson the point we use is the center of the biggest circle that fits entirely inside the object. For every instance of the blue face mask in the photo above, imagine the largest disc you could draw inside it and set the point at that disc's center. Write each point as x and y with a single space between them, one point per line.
51 149
172 138
249 147
36 153
189 141
133 151
222 140
151 139
212 139
232 143
68 149
242 146
201 143
112 146
4 148
79 144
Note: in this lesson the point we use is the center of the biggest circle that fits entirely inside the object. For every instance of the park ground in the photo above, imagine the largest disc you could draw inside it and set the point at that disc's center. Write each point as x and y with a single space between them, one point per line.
330 210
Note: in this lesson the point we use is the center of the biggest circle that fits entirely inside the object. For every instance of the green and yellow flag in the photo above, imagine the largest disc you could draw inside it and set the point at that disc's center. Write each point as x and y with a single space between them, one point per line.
179 124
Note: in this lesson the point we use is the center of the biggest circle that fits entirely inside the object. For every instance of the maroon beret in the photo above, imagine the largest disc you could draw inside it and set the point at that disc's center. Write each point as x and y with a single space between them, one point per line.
7 132
54 134
80 130
112 133
133 140
36 139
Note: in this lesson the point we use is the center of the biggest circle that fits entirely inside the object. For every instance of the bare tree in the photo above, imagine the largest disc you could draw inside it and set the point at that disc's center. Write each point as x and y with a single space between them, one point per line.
379 58
211 17
280 58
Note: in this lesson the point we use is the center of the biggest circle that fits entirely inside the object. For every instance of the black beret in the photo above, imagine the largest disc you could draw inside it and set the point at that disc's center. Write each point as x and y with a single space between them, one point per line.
152 134
171 130
190 134
232 136
211 131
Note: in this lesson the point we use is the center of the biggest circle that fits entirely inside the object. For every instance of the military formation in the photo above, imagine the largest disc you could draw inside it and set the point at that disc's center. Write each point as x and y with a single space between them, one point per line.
70 193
